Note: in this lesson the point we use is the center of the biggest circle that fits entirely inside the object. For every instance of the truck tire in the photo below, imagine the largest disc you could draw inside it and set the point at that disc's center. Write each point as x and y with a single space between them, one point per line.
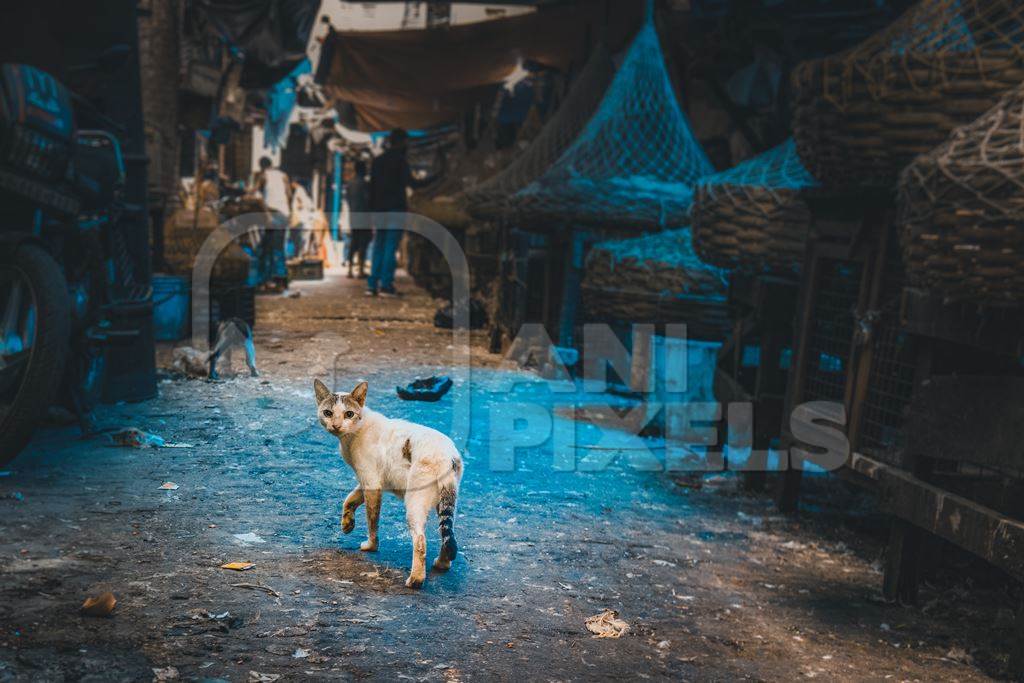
34 384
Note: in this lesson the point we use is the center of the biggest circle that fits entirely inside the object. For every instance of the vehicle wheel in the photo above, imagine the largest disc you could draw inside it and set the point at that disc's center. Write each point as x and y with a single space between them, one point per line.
34 328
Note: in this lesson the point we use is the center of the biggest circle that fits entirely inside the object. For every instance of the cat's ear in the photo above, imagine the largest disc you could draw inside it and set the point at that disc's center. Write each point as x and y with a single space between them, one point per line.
321 390
359 393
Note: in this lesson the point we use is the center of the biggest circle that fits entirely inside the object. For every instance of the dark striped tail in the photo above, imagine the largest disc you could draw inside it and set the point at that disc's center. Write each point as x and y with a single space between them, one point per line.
446 522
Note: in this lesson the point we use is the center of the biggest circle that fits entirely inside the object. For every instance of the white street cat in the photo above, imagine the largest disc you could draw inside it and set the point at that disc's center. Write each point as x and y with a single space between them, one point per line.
416 463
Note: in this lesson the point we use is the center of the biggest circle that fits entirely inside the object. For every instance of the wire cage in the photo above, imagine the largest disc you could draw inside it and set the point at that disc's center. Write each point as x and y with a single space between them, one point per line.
752 217
861 115
961 207
890 356
831 324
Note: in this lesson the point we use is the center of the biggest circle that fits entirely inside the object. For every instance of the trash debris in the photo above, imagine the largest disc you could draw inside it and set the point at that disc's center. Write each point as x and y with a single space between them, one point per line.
99 606
248 538
300 653
238 566
133 437
169 673
211 615
189 361
168 486
257 677
5 473
959 655
607 625
425 389
15 495
257 587
477 316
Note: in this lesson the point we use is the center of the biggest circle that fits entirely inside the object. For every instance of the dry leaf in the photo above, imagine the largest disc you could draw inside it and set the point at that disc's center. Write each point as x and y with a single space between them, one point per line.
100 606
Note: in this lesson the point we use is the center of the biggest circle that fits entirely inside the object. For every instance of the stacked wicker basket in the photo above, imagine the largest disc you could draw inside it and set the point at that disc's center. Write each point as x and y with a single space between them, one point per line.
752 217
962 210
656 278
862 115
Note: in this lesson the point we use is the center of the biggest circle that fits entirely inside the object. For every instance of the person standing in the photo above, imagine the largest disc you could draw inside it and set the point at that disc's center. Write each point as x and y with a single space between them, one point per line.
301 222
357 193
273 185
390 178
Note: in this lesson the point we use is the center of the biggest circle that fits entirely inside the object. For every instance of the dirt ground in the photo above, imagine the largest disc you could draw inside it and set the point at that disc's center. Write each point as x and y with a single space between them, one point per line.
713 584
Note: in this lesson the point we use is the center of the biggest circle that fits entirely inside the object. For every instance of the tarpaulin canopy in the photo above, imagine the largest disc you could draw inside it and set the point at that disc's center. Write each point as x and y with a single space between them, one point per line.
272 35
421 78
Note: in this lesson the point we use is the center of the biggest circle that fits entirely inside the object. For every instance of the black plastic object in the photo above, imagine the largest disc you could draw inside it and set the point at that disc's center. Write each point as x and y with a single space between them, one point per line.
477 316
425 389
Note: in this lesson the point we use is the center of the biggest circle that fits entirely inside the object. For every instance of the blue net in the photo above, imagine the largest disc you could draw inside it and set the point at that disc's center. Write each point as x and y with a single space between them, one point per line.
635 162
779 168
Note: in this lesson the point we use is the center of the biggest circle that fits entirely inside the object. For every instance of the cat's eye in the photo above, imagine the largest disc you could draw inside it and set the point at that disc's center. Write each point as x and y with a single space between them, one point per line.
328 413
349 414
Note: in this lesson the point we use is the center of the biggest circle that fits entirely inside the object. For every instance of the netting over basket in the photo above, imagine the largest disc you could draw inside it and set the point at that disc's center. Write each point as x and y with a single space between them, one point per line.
752 217
635 162
491 199
962 209
656 278
860 116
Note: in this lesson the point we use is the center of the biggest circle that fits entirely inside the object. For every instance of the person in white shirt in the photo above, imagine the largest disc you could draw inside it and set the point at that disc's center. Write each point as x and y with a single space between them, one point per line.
273 185
302 216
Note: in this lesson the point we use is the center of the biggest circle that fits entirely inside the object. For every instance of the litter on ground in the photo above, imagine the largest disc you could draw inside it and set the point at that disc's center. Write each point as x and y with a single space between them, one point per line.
133 437
607 625
100 605
238 566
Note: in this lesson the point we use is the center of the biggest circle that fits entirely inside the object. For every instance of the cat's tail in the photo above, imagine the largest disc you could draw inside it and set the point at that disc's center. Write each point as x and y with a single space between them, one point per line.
446 522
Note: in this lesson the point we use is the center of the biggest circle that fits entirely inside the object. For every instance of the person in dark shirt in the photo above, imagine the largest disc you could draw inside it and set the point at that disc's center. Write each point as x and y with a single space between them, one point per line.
390 177
358 194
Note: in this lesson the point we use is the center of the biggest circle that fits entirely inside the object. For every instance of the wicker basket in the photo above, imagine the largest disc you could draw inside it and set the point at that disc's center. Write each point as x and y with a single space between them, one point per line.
656 278
752 218
862 115
185 232
962 210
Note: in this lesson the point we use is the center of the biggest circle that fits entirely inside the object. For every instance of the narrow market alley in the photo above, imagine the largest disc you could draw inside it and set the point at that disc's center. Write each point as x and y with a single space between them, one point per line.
713 584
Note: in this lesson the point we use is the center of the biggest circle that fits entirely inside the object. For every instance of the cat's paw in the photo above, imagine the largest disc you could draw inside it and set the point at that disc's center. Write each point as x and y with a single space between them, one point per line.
442 564
413 582
368 546
348 523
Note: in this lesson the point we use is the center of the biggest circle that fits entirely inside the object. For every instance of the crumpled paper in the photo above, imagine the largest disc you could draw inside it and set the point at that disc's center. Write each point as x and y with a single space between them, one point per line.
607 625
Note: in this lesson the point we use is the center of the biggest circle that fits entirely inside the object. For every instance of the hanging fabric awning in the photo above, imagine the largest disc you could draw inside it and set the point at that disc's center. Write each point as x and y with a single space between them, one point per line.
280 101
635 163
422 78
